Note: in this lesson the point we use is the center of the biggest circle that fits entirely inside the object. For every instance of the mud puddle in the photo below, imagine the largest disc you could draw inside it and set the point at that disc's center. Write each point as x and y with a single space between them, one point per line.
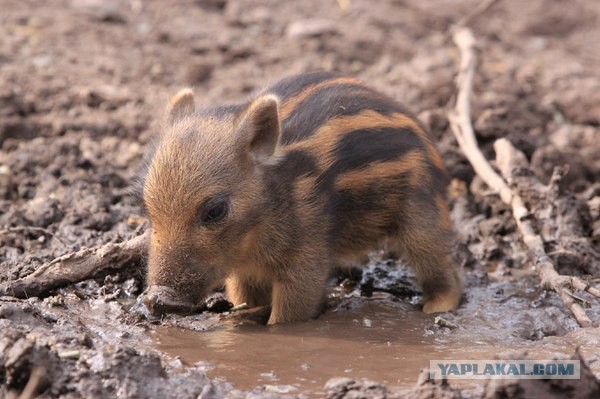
375 342
379 338
374 331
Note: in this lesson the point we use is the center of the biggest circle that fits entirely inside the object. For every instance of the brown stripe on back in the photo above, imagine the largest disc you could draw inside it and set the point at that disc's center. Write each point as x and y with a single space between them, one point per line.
414 163
331 102
434 155
291 103
307 199
443 212
326 138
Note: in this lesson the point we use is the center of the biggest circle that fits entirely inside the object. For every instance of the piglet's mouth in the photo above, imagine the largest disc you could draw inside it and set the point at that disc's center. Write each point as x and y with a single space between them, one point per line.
161 300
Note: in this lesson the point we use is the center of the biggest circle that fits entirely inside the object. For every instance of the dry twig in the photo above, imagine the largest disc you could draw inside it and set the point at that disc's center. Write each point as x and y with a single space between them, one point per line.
508 159
78 266
460 116
36 379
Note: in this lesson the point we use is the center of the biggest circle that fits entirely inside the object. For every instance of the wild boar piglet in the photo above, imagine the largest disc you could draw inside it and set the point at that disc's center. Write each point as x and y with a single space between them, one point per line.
266 197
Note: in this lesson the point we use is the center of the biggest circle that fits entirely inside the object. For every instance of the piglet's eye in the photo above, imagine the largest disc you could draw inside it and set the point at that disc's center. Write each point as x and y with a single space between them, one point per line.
214 213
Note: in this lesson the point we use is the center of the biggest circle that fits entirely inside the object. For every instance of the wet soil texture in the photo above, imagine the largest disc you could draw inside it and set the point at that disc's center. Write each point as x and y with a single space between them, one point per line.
82 86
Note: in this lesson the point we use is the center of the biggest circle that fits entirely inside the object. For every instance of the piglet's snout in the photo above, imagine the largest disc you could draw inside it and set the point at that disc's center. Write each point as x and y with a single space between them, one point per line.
161 299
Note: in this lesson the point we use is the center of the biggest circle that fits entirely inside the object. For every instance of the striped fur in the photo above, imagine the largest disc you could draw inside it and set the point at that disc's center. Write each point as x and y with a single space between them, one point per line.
318 170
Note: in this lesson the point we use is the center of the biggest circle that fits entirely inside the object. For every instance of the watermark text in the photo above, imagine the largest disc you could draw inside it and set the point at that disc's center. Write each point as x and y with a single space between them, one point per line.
504 369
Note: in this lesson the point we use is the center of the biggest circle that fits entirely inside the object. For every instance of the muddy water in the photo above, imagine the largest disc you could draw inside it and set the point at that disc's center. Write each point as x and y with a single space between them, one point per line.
382 338
374 342
376 339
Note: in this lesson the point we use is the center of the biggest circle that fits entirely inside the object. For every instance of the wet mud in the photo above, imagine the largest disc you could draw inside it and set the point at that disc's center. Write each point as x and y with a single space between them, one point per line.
82 87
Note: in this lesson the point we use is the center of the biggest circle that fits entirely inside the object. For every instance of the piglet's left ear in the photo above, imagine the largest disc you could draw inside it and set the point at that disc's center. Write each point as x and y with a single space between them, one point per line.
180 106
259 127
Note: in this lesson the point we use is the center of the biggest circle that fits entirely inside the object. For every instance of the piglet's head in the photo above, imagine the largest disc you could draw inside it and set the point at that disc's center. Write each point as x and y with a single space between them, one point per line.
204 192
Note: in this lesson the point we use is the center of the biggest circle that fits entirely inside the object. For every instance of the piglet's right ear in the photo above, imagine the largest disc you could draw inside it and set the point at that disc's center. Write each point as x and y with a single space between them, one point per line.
259 127
180 106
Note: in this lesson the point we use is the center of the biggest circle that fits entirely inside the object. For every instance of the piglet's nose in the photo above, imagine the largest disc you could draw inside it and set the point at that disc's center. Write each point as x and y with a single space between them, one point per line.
161 299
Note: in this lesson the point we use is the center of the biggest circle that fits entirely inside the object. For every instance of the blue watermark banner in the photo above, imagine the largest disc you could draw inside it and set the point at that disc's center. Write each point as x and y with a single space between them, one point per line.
505 369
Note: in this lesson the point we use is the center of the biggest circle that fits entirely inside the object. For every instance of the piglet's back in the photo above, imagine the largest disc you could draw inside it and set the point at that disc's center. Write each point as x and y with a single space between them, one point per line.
356 154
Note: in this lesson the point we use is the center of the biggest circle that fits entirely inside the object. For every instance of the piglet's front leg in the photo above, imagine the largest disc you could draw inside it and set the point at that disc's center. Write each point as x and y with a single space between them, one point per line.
298 298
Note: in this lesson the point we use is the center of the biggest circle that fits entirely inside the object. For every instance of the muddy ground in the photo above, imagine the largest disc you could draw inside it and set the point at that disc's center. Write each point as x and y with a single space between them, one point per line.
82 86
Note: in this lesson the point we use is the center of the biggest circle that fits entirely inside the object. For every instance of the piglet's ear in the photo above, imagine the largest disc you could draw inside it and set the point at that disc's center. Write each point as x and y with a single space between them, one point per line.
259 128
180 106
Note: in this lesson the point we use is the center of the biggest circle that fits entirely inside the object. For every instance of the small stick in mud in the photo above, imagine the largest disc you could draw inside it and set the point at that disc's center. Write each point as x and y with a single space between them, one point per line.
508 160
460 116
36 380
78 266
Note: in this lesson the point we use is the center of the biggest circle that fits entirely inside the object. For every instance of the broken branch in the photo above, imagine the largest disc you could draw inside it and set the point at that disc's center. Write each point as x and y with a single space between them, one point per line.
508 158
460 116
78 266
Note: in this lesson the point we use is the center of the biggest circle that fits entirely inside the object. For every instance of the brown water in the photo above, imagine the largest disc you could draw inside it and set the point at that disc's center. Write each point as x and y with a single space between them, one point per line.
382 338
377 339
373 342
